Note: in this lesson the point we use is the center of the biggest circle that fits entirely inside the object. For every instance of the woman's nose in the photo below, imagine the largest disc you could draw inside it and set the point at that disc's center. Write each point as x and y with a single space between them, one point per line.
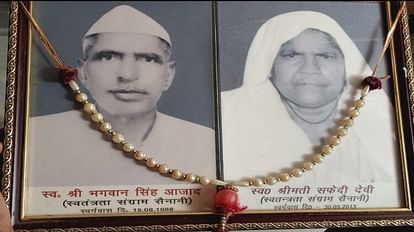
310 64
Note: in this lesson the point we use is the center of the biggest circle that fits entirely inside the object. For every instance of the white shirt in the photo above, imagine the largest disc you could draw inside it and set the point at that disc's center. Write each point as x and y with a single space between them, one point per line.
65 149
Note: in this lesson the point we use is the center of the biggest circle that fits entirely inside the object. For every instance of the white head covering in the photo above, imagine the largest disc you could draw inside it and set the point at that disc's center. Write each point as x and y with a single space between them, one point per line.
284 27
128 19
258 130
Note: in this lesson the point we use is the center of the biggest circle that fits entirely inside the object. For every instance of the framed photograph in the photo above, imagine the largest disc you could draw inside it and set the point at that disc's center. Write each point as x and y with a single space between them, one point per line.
294 96
164 103
168 95
170 122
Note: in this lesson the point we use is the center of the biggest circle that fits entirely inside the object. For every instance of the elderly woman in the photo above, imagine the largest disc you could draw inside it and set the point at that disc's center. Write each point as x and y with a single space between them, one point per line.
301 75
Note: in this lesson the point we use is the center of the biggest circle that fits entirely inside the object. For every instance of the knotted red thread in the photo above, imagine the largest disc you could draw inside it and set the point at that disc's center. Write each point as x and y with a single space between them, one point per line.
68 74
372 82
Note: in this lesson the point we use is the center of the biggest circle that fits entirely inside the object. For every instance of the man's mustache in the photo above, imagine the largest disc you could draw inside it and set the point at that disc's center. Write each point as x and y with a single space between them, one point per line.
128 90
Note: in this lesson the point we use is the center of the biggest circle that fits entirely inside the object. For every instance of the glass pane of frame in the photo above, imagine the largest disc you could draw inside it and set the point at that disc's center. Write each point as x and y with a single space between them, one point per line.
249 94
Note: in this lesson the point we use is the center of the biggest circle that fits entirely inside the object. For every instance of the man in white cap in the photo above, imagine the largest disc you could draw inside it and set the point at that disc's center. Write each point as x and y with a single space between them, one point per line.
126 68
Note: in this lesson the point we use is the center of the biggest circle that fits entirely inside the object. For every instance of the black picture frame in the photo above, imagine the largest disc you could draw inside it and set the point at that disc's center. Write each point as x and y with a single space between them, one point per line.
15 150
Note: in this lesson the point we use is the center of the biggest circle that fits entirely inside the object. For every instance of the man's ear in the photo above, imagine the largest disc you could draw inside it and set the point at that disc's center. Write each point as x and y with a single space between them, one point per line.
170 75
80 66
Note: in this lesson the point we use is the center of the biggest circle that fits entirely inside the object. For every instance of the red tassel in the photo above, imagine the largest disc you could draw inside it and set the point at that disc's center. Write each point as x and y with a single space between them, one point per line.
227 203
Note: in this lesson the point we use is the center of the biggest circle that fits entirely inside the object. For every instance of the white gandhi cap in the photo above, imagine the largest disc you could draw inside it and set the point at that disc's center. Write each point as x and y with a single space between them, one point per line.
128 19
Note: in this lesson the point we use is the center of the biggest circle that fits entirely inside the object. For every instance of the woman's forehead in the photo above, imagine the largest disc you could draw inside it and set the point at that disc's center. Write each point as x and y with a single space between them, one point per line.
312 38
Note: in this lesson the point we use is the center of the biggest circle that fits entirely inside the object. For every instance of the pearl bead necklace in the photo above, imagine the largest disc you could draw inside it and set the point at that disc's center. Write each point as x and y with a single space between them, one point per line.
177 174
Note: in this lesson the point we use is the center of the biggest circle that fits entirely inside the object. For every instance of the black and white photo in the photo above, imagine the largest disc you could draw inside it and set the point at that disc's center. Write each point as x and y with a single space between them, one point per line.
208 116
151 82
287 122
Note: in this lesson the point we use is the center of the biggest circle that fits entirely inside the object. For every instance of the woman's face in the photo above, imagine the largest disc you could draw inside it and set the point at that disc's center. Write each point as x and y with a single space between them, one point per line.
309 69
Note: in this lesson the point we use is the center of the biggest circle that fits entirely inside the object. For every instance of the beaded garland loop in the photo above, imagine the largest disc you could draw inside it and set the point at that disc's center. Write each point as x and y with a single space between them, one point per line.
370 83
226 199
227 202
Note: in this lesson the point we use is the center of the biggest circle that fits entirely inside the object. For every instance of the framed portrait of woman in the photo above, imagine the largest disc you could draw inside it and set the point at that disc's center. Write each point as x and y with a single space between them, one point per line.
292 112
196 116
299 86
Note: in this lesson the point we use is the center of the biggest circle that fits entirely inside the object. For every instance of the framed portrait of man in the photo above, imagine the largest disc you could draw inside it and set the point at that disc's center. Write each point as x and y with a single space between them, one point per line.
149 86
196 116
